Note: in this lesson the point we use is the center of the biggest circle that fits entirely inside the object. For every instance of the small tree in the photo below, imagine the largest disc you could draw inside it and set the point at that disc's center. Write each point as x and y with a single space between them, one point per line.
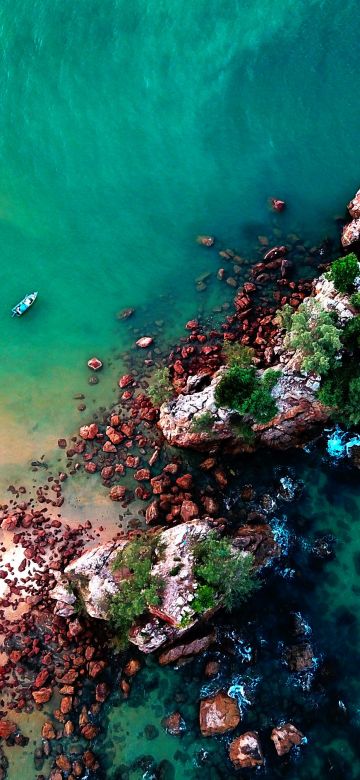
161 389
343 272
202 423
240 389
229 575
355 300
284 316
352 409
314 333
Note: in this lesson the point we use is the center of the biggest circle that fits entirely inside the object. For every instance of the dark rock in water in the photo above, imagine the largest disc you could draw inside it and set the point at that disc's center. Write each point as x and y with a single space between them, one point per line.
289 489
174 724
124 314
218 714
300 657
93 380
39 464
151 732
323 548
285 737
245 751
355 455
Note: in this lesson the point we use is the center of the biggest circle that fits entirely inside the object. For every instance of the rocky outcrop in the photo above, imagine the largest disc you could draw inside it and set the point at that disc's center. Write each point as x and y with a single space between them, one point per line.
354 206
218 714
91 579
351 232
300 415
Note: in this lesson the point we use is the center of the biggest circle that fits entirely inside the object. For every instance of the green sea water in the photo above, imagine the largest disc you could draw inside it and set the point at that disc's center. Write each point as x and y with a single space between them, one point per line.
127 128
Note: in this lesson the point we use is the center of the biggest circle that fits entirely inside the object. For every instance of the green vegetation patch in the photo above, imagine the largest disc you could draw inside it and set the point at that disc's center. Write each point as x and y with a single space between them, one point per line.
138 590
355 300
202 423
343 272
236 354
241 390
315 334
222 574
161 389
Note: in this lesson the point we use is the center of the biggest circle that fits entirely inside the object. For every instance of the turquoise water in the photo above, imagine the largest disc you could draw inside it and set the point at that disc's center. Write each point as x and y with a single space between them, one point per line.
125 130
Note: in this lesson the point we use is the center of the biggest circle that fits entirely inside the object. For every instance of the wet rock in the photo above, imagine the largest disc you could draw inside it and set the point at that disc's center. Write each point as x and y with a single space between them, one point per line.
351 234
285 737
174 724
62 443
189 510
89 431
63 762
132 667
125 380
93 380
278 205
117 492
245 751
124 314
144 342
289 489
212 668
206 240
95 364
300 657
187 649
42 696
275 252
218 714
7 727
354 206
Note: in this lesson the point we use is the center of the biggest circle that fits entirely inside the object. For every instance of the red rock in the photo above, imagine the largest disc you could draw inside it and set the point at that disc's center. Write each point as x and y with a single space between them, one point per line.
285 737
275 252
68 728
75 628
211 668
174 724
101 692
117 492
192 325
41 678
218 714
42 696
95 667
66 705
160 483
210 505
186 649
189 510
7 727
249 287
206 240
90 760
107 472
125 380
48 731
114 436
152 512
221 478
124 314
95 363
278 205
108 447
208 464
144 342
178 367
63 763
132 667
245 751
89 431
62 443
142 475
89 731
132 461
185 481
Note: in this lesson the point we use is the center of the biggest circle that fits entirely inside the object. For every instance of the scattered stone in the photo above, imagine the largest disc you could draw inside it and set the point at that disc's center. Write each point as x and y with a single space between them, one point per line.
285 737
95 363
206 240
245 751
144 342
218 714
174 724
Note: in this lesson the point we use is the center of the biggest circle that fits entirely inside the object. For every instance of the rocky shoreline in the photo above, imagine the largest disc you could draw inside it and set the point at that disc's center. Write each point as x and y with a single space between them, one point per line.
59 655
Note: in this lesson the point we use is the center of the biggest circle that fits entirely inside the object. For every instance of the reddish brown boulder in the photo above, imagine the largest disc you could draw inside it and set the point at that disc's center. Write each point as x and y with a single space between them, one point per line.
218 714
278 205
117 492
185 481
108 447
354 206
187 649
89 431
7 727
300 657
95 667
189 510
351 233
245 751
66 705
132 667
285 737
205 240
48 731
125 380
101 692
89 731
142 475
211 668
90 467
152 512
63 762
174 724
42 696
41 678
107 472
114 436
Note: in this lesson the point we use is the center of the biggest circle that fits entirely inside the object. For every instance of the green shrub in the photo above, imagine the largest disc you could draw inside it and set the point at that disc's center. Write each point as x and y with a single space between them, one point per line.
341 390
139 590
237 354
240 389
204 599
202 423
229 575
161 388
243 431
284 316
315 334
350 336
343 272
355 300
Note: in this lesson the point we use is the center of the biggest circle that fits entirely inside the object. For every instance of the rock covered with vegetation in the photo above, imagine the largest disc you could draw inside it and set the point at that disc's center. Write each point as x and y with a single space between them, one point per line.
153 588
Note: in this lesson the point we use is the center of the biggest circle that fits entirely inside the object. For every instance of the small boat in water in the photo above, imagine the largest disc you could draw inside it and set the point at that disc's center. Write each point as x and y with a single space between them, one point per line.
24 305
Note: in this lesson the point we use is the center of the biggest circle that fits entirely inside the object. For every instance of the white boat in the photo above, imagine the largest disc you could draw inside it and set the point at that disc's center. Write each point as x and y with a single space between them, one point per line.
24 305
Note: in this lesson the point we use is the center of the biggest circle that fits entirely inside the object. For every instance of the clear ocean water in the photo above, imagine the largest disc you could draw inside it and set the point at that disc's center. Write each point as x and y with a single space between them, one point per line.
127 128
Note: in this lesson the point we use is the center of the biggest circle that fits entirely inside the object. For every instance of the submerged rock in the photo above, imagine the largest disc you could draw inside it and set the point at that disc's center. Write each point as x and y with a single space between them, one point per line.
218 714
174 724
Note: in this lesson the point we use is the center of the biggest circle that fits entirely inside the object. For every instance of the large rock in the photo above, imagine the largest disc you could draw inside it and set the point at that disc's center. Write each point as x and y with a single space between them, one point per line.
245 751
354 206
187 649
218 714
351 234
285 737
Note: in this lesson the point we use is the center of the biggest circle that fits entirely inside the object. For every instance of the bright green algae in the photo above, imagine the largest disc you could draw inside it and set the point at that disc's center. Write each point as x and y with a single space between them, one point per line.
125 130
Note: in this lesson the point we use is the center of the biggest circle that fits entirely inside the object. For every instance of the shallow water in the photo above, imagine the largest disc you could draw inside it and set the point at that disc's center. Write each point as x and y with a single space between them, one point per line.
126 130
